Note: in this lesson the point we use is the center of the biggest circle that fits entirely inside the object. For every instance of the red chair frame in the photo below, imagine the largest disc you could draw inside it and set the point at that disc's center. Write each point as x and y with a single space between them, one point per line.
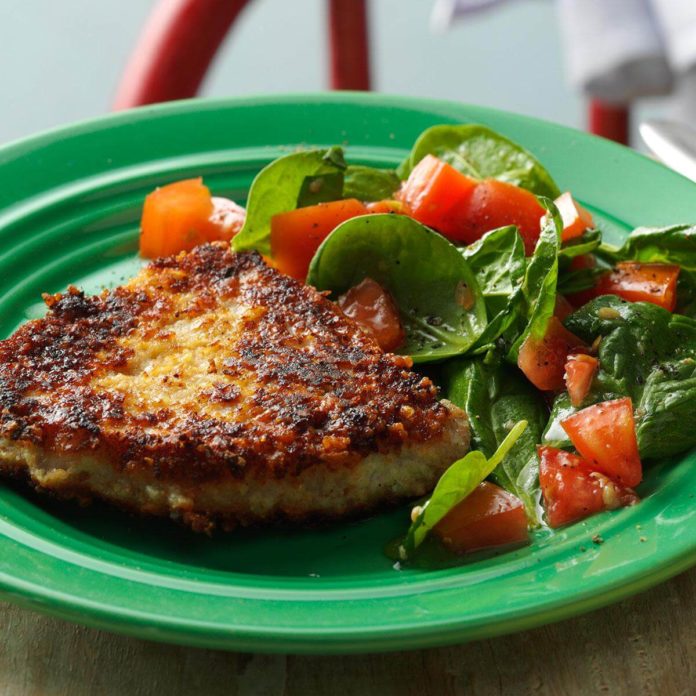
182 37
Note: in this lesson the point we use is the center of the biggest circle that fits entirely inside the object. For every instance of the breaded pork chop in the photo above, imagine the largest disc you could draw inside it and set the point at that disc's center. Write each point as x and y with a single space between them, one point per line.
215 390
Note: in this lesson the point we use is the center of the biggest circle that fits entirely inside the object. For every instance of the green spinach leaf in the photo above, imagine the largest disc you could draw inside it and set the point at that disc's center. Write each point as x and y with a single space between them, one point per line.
320 188
479 152
277 188
586 244
460 479
577 281
369 183
649 354
666 420
498 261
675 244
571 281
560 410
494 396
441 306
539 286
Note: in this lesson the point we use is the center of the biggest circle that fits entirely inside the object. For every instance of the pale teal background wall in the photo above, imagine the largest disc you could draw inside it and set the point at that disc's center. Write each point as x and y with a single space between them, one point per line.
60 59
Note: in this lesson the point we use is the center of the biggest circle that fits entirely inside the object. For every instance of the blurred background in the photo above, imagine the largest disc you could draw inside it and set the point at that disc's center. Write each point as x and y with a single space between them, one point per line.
62 61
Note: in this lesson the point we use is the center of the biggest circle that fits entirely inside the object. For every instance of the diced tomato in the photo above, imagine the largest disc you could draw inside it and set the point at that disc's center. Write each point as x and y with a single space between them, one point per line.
563 308
435 193
573 491
489 516
463 209
578 299
497 203
375 310
227 218
182 215
642 282
605 435
576 219
543 361
297 234
175 218
388 206
579 373
582 262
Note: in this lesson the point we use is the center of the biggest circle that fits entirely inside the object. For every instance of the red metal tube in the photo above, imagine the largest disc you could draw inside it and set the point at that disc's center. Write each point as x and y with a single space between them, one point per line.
610 121
175 49
349 44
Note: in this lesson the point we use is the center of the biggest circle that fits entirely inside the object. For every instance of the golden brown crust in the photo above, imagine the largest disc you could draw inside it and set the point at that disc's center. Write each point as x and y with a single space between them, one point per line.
289 380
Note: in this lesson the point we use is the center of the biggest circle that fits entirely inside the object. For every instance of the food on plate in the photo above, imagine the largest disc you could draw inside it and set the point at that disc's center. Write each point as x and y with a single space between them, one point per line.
374 309
287 377
573 488
489 516
214 389
297 234
472 261
180 216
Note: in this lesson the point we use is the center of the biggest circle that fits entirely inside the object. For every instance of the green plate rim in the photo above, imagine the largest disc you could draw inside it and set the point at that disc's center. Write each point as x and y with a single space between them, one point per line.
643 573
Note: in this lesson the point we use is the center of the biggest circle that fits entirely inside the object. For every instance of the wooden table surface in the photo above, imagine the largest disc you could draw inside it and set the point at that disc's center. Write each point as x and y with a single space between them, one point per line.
644 645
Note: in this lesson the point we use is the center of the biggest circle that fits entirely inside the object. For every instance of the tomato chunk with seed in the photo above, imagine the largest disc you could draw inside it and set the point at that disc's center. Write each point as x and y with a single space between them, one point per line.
179 216
642 282
496 204
576 219
605 436
488 517
375 310
579 373
573 491
435 193
297 234
543 360
388 206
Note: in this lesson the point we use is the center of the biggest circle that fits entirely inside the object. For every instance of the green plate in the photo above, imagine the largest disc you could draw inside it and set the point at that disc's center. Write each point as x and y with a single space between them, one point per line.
69 207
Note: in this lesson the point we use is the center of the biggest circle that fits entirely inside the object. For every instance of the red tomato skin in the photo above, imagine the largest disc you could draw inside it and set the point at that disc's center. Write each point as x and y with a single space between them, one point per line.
573 491
496 204
580 370
563 308
297 234
388 206
605 436
583 261
434 193
576 219
642 282
543 361
488 517
375 310
175 218
463 210
182 215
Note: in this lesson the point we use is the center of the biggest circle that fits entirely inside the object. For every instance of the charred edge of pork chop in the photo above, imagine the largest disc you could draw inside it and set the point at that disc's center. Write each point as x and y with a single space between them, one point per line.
315 494
210 372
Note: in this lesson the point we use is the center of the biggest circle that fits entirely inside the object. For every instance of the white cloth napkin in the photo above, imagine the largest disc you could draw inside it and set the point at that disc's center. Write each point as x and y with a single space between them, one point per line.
677 20
615 50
